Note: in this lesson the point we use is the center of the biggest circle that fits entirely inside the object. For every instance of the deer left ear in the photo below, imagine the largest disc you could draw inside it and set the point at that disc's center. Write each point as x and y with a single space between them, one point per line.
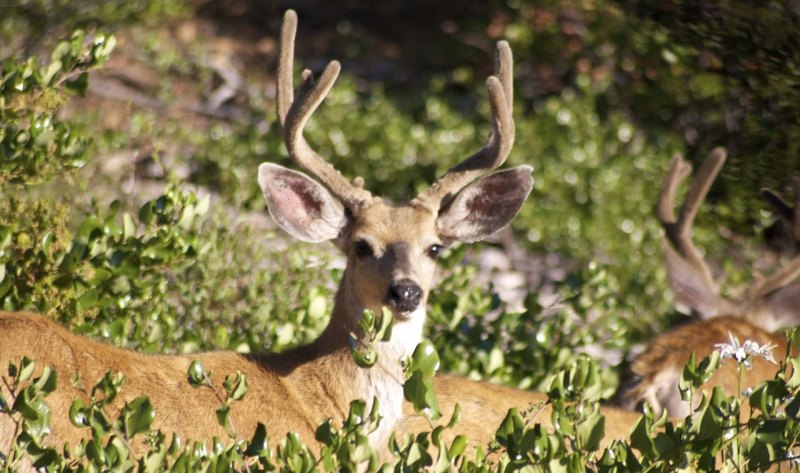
485 206
300 205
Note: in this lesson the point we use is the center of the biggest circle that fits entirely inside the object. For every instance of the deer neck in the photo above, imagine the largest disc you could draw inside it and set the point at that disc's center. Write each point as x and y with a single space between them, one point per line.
384 380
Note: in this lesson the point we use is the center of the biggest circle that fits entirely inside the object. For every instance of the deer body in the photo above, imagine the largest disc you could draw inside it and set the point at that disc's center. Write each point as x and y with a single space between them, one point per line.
292 391
390 250
287 391
658 369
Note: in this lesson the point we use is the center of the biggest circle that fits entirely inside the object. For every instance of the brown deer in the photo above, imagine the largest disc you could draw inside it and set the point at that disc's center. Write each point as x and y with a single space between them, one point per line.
770 304
390 248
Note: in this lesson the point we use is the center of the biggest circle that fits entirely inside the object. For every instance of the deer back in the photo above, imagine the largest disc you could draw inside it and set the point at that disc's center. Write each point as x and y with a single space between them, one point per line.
657 370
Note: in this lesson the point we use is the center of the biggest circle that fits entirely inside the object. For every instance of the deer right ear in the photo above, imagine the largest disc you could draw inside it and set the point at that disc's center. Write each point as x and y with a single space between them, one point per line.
691 291
299 205
486 206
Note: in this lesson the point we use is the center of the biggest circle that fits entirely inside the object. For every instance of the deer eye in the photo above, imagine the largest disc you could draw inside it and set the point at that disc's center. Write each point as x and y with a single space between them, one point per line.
434 250
363 249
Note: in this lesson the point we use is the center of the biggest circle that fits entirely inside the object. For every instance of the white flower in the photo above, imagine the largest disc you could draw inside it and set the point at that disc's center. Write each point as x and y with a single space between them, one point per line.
745 352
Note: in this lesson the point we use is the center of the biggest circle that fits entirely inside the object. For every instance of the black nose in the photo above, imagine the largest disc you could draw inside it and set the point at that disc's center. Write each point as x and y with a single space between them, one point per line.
405 295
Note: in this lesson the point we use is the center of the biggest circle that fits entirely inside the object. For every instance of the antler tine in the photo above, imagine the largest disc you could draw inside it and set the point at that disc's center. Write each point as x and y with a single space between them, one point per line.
796 215
498 144
791 214
678 171
678 232
294 112
700 185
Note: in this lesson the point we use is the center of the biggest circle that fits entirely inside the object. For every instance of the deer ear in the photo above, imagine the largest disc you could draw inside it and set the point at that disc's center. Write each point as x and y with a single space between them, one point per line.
782 308
485 206
691 292
300 205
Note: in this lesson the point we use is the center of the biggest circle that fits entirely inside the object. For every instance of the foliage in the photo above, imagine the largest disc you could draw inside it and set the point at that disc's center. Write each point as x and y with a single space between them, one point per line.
750 65
34 144
26 25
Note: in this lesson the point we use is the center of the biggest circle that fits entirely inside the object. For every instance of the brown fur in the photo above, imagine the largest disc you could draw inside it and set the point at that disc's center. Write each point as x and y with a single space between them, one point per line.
657 370
290 392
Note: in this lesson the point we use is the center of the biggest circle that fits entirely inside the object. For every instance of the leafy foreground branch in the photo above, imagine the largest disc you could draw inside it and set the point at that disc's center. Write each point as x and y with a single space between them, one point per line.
717 437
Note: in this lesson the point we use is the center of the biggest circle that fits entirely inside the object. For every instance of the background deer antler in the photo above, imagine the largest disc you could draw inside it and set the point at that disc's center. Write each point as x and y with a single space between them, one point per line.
690 277
770 303
790 214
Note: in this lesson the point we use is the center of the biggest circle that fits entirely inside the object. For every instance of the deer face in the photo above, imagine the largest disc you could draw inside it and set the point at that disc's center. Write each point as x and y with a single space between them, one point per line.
391 249
391 252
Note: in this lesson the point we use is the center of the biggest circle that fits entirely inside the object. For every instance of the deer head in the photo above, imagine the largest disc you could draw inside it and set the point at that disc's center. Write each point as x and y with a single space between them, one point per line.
771 303
390 247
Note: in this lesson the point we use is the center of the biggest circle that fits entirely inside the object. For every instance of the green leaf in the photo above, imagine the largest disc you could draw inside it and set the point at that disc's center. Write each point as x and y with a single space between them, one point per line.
197 373
128 226
46 383
325 433
772 431
146 213
76 413
26 368
259 443
591 430
420 393
458 447
51 71
138 415
425 359
224 420
509 429
239 388
317 306
88 300
456 417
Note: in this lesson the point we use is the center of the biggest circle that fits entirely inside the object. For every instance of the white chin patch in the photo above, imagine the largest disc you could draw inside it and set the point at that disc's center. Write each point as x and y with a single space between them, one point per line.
407 330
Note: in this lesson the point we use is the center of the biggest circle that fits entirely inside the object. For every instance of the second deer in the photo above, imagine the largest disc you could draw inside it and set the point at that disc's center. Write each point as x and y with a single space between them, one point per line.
772 303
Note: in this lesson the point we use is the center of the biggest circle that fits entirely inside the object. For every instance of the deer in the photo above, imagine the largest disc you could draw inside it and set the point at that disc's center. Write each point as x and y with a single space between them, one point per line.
770 304
390 249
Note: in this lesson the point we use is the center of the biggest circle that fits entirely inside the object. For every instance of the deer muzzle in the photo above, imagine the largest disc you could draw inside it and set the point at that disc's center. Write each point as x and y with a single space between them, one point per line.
404 296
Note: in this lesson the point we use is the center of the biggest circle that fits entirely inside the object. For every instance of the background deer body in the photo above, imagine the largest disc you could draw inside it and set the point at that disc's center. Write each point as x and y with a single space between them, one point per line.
390 251
658 369
771 304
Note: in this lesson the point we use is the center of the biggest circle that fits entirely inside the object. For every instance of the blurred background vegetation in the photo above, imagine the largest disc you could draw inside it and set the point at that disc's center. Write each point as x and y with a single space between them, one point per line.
130 208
